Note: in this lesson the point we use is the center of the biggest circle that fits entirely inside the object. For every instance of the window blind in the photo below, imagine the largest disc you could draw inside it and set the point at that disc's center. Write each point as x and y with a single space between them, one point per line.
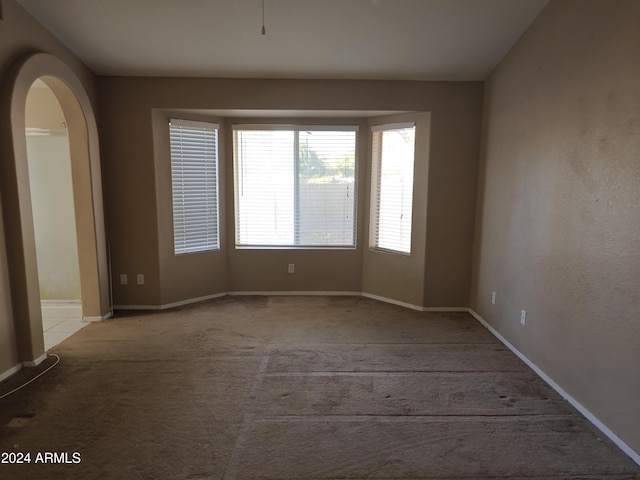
392 187
194 183
295 186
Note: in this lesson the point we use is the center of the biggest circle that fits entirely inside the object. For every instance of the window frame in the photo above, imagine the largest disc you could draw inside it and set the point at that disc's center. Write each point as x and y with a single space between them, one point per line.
376 167
210 240
296 129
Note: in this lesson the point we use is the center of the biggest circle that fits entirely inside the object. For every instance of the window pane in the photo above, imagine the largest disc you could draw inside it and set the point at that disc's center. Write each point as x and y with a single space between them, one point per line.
194 184
393 152
264 187
295 187
326 188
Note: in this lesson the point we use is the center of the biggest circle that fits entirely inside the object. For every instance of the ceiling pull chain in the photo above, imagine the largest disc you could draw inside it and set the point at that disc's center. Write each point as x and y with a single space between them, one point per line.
264 31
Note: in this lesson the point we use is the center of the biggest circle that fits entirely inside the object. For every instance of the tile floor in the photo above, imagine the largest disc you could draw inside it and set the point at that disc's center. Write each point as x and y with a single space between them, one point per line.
59 328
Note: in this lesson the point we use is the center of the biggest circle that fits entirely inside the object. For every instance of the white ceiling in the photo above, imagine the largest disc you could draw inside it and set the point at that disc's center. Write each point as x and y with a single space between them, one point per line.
353 39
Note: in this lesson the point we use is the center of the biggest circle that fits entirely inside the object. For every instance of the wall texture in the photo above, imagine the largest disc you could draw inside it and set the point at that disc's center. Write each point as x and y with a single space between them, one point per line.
558 226
20 34
135 160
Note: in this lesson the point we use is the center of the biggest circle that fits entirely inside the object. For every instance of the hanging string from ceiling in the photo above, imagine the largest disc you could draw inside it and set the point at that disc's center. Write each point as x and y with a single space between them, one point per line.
264 31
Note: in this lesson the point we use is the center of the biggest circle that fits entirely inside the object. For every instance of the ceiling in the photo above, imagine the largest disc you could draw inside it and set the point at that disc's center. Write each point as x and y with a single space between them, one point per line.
346 39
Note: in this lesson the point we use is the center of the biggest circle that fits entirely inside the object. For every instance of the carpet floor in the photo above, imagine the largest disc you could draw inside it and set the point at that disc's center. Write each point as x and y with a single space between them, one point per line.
283 388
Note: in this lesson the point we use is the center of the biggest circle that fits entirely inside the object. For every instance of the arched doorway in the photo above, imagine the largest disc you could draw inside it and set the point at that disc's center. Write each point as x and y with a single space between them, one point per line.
18 206
52 204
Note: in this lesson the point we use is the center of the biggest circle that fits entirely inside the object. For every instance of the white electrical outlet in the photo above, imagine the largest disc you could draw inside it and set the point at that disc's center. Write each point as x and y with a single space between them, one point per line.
124 279
523 317
140 279
291 268
493 298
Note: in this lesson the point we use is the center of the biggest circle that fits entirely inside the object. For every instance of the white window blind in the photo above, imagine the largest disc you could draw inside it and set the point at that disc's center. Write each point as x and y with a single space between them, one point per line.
295 186
392 187
194 183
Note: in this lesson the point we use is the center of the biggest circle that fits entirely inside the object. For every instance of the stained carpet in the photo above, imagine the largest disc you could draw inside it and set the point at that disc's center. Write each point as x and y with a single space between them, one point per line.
285 388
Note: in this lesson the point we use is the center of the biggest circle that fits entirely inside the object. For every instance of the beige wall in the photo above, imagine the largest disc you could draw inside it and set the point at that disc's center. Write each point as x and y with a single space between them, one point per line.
9 357
391 275
558 218
43 109
260 270
193 275
132 114
20 34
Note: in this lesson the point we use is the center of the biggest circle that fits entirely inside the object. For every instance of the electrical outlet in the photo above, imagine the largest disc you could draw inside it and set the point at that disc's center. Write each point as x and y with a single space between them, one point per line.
140 279
291 268
124 279
493 298
523 317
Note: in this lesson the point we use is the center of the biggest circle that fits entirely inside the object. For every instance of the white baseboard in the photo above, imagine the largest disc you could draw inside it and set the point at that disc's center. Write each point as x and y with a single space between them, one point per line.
170 305
635 456
11 371
61 308
137 307
97 318
192 300
445 309
36 362
292 293
223 294
295 293
392 301
412 306
68 308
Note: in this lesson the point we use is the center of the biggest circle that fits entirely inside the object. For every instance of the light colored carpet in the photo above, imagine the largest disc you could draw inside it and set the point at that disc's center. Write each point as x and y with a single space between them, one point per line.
311 388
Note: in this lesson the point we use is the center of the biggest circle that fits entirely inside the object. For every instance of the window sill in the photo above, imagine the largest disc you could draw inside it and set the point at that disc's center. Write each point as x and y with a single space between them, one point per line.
391 252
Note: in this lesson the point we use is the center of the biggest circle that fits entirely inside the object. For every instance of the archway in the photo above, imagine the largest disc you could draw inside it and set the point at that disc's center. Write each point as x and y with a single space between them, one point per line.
17 200
51 187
